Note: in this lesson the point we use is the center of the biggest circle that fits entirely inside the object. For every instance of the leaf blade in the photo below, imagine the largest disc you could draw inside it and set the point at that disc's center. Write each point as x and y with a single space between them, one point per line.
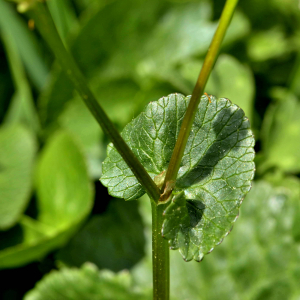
214 176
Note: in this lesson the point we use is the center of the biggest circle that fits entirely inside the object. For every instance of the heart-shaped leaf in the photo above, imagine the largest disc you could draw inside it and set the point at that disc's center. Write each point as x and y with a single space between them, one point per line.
215 173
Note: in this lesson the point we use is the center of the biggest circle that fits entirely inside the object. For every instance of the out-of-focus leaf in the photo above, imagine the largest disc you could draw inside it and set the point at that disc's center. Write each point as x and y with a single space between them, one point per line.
64 17
137 47
215 173
184 31
112 241
78 120
22 108
64 198
258 260
17 153
188 29
280 133
86 283
268 44
124 96
85 4
13 25
295 79
229 79
99 39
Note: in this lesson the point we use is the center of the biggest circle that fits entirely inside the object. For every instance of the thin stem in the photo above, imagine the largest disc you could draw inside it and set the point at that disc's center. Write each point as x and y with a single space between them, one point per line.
46 26
160 255
208 64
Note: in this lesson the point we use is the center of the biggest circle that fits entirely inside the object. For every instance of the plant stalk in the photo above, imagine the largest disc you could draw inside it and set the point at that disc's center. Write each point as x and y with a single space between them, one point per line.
189 117
160 255
43 21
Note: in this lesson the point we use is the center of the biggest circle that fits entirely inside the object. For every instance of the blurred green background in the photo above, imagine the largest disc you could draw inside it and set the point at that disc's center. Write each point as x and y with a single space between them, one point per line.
54 213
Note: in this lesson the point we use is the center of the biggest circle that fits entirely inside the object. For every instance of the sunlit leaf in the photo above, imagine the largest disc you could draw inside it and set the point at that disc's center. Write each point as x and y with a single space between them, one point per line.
215 173
17 153
64 198
280 133
229 78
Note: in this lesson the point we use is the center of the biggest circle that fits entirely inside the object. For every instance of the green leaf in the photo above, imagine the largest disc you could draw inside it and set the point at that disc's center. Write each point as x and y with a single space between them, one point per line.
66 194
100 38
280 133
178 27
17 154
114 240
22 108
101 52
64 16
155 57
86 283
64 199
269 44
77 120
124 96
258 260
215 173
14 26
227 70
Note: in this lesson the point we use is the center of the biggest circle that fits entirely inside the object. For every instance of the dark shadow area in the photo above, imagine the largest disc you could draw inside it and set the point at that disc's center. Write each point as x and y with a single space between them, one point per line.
32 210
196 210
11 237
223 143
112 240
102 198
6 83
16 282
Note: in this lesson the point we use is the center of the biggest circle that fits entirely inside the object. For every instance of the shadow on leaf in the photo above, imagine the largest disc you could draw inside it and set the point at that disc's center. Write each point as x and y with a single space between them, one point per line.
226 127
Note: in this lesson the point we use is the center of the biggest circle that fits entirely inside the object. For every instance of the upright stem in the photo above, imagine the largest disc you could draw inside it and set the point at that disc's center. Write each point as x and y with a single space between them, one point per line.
46 26
160 255
208 64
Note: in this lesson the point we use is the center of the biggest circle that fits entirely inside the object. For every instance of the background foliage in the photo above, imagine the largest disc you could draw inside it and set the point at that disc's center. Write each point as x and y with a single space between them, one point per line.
54 213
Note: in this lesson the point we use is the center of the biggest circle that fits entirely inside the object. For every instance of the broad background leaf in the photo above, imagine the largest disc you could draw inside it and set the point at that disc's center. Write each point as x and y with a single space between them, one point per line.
280 133
17 153
114 240
64 198
227 70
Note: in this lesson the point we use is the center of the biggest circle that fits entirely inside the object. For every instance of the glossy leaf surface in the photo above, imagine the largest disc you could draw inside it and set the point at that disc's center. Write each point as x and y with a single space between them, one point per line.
215 173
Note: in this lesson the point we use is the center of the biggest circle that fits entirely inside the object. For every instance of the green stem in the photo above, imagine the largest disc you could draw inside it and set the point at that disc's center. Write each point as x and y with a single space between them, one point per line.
42 18
160 255
208 64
